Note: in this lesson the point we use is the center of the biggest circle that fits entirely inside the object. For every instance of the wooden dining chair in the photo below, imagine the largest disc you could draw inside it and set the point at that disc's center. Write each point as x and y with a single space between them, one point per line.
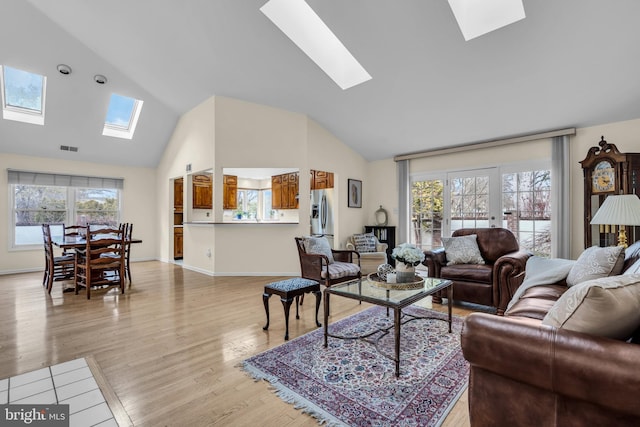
94 269
73 231
56 267
128 234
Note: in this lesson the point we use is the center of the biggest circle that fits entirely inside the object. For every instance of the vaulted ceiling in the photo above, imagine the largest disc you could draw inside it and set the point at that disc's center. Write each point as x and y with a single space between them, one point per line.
568 63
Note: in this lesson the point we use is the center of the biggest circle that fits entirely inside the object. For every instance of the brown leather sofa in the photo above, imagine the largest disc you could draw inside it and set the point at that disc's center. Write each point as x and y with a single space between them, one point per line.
524 373
487 284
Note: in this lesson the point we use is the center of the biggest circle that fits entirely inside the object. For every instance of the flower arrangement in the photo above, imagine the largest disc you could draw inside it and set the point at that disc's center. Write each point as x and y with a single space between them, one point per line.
408 254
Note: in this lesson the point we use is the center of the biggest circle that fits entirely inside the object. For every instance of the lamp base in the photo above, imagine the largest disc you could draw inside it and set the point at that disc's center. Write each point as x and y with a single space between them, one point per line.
622 238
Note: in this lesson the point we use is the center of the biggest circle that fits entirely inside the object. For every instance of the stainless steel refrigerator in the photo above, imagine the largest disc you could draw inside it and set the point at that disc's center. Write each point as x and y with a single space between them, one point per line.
322 214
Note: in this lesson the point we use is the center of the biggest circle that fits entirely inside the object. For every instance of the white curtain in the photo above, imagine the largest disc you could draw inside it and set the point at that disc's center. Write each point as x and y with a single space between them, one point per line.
402 166
560 198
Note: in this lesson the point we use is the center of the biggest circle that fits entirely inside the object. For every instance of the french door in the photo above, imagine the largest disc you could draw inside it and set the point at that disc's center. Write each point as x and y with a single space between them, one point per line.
474 199
445 203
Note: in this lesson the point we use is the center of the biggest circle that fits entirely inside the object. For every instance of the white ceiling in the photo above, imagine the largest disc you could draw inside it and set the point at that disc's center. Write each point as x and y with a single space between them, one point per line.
568 63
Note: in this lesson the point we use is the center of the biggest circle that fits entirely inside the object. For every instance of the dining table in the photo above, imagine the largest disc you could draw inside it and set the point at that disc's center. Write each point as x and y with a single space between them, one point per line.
78 243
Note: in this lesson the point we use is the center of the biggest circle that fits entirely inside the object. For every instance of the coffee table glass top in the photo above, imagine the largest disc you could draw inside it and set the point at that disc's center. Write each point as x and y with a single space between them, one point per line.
363 290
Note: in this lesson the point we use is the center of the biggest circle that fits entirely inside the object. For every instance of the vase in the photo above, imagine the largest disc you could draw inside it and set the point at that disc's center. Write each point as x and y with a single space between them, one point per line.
405 273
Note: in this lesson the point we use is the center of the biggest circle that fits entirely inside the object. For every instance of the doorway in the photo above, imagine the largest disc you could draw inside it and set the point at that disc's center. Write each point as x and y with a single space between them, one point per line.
443 203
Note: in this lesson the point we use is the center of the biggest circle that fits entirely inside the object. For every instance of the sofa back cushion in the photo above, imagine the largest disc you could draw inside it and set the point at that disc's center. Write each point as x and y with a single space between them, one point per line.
608 307
631 255
492 242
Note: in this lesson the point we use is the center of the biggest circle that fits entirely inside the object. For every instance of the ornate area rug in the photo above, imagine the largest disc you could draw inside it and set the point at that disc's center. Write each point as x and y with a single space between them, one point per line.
352 383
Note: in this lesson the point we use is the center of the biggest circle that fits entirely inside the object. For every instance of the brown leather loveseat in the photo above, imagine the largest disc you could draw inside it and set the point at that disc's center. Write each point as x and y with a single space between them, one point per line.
487 284
524 373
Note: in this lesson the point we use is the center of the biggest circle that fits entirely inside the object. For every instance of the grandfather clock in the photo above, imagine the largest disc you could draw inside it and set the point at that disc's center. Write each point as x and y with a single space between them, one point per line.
607 171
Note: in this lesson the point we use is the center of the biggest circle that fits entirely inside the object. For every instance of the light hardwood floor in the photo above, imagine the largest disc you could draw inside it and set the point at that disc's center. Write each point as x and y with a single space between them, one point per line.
170 347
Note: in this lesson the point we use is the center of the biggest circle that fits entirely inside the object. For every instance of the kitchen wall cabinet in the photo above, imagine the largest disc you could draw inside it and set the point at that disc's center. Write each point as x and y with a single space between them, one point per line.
229 192
284 191
320 180
202 191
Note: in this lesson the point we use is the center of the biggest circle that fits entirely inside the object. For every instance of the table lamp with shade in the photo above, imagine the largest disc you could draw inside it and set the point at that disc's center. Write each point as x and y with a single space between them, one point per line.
620 210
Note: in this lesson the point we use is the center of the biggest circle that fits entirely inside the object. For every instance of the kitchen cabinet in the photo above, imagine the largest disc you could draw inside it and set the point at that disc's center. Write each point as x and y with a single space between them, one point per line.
178 194
284 191
202 191
321 180
177 243
229 192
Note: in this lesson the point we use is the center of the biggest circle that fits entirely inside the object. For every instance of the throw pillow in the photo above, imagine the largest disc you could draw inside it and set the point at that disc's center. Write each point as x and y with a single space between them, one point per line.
462 250
608 307
364 242
318 245
634 269
596 262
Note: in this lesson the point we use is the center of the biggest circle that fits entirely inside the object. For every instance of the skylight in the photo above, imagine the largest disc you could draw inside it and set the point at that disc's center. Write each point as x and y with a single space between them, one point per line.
122 116
23 95
305 28
476 18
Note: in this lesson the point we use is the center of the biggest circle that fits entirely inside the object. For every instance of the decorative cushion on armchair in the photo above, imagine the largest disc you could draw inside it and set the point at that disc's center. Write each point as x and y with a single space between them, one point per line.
483 279
372 252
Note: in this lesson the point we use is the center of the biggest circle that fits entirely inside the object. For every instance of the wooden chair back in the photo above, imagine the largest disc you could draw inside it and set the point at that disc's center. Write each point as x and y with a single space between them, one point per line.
103 262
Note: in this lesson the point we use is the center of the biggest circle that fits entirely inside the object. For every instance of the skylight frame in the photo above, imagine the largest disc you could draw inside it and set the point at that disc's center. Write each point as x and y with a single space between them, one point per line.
23 114
124 132
298 21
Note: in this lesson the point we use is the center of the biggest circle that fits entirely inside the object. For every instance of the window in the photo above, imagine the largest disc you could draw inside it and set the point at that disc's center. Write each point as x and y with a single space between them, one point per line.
122 116
248 203
526 203
427 213
56 199
23 95
522 205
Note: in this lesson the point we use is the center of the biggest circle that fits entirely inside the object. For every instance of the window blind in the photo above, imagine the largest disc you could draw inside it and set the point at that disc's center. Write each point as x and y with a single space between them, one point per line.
53 179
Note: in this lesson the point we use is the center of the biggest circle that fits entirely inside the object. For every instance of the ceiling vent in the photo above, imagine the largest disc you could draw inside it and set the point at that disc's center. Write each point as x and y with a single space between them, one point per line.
69 148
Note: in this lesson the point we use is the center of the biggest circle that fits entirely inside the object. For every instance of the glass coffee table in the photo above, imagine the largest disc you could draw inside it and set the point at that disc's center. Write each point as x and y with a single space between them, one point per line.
386 296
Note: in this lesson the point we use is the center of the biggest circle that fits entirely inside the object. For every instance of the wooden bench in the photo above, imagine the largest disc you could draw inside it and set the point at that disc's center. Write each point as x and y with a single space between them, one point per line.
287 290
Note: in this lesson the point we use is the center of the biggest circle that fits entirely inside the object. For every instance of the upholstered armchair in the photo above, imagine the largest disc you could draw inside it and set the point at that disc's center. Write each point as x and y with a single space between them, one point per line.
488 280
325 265
372 252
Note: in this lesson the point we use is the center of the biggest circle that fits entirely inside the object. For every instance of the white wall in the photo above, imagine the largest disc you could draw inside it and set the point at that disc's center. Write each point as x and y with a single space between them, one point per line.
224 132
138 206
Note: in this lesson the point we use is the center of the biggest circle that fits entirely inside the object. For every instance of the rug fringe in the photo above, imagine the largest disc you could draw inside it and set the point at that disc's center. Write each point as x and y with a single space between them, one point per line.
298 402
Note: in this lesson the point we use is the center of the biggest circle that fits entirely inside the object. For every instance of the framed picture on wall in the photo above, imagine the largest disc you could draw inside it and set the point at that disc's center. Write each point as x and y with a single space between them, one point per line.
355 193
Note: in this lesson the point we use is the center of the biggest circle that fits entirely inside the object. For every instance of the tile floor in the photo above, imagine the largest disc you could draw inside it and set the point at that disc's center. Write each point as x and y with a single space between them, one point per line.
69 383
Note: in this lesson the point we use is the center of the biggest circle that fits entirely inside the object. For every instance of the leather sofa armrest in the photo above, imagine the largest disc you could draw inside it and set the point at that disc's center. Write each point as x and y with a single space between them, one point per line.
506 279
433 260
579 366
382 247
350 246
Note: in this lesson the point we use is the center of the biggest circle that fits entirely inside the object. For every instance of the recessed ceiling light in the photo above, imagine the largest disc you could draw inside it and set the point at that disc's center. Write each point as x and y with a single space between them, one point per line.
476 18
64 69
301 24
100 79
